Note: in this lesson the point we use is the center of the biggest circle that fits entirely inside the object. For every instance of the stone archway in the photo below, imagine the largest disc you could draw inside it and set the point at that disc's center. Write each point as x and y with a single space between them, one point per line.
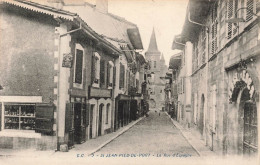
244 99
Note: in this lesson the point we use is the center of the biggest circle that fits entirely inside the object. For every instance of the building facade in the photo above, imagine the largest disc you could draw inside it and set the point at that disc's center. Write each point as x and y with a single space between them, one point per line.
62 91
225 79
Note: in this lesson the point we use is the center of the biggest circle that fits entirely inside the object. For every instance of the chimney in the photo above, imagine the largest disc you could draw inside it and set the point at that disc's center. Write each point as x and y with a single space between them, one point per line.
102 5
58 4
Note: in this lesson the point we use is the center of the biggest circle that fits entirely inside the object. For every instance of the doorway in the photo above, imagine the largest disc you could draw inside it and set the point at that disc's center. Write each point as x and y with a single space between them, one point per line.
100 119
250 146
77 122
201 121
91 121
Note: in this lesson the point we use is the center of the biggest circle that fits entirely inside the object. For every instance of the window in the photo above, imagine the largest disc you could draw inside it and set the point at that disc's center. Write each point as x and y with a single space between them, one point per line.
154 64
122 76
78 66
102 73
250 4
213 107
110 66
232 7
107 113
19 116
95 69
214 29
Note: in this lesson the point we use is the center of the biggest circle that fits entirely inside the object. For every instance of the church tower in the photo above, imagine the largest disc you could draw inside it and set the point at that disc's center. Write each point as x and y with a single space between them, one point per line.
156 71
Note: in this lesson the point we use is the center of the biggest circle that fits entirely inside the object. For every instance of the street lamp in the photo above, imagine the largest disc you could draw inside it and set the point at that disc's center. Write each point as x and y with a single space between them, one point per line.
235 19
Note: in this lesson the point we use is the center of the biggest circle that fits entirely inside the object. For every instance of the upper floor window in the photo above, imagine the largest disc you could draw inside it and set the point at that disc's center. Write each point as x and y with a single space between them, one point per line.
96 69
122 76
110 69
214 28
78 66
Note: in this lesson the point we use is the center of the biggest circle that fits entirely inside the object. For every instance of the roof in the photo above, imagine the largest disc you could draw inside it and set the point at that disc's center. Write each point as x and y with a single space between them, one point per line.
198 10
106 24
153 44
175 61
41 9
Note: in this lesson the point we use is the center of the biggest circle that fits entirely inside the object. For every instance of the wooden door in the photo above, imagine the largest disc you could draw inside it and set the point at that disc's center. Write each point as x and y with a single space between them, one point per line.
250 129
77 122
100 120
91 121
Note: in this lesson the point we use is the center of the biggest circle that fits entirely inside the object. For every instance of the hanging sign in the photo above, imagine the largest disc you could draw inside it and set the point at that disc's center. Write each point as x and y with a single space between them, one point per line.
67 60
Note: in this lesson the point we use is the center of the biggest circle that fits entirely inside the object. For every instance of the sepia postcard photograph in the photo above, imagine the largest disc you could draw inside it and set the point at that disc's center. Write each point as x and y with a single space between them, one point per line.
173 82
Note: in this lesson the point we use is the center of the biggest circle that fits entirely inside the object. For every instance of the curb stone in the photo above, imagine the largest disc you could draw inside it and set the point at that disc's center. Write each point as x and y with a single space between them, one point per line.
117 135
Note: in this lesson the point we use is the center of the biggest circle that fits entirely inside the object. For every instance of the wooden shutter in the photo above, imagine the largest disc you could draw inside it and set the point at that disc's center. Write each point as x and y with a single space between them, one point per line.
79 65
44 118
229 15
122 76
108 74
68 117
102 72
94 64
87 113
250 10
0 116
114 76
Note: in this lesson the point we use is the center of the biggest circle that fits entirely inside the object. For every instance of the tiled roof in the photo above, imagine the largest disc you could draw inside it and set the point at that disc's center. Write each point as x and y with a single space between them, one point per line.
106 24
28 5
41 8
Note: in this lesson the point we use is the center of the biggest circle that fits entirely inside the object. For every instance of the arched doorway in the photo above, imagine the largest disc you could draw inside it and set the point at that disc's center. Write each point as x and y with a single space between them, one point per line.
243 93
201 120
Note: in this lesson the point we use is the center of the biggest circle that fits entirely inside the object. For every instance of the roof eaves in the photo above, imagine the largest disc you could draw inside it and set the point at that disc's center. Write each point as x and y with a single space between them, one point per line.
41 9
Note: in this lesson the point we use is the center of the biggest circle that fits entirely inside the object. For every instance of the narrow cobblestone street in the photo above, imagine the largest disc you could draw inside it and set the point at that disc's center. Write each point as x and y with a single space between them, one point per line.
153 135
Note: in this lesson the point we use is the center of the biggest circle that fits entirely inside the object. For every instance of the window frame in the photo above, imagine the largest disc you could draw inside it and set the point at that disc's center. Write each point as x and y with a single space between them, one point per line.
97 70
79 85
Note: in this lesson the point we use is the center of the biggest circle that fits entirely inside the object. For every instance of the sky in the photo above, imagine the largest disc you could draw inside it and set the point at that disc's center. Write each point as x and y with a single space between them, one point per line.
166 16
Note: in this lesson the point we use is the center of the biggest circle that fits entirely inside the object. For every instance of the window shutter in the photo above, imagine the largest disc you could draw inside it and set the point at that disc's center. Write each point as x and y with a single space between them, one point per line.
0 116
87 113
44 118
102 72
79 65
121 78
68 117
94 64
257 6
250 10
108 74
229 15
114 76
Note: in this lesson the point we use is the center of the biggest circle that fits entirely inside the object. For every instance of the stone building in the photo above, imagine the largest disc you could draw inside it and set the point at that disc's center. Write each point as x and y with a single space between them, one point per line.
157 71
224 36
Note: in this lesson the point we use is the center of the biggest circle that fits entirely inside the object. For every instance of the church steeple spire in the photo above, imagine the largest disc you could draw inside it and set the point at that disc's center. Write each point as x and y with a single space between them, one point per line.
153 44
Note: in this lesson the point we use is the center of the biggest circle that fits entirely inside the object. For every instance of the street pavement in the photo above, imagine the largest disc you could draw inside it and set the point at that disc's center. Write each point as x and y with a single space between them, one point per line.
154 136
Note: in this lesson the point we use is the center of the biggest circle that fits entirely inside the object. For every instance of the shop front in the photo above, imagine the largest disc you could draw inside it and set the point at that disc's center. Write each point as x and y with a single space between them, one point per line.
122 115
26 122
